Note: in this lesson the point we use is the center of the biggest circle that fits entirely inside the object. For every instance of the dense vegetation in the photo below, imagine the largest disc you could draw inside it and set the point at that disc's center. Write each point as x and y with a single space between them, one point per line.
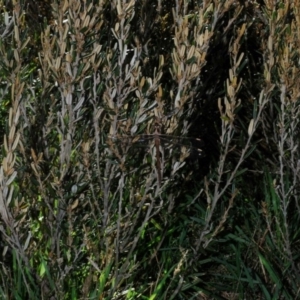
87 214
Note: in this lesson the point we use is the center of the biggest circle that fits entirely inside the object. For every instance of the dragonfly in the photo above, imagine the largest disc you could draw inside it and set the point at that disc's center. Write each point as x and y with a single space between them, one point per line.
159 141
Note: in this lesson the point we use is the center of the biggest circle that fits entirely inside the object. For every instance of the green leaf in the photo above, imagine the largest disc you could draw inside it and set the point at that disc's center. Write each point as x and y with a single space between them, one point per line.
274 276
103 278
42 268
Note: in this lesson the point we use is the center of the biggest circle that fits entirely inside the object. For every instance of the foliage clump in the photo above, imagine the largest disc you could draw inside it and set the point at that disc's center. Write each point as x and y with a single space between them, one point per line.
87 214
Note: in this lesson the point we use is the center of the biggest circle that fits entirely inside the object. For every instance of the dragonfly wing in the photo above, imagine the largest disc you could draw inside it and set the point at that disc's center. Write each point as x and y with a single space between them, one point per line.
167 141
186 144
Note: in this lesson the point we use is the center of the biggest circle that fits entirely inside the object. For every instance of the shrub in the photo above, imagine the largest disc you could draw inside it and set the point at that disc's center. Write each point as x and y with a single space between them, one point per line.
88 214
